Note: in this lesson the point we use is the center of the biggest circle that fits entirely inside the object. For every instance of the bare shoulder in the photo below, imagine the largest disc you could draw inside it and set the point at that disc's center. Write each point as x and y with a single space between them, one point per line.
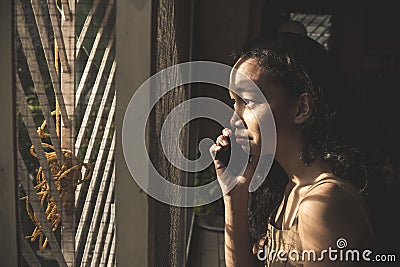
330 212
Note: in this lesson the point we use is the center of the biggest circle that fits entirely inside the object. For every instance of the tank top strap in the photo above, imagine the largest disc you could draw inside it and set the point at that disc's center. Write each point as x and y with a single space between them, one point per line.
325 178
331 178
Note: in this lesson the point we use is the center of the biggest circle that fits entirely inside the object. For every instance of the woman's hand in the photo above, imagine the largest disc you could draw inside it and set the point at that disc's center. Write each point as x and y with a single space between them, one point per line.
238 250
227 180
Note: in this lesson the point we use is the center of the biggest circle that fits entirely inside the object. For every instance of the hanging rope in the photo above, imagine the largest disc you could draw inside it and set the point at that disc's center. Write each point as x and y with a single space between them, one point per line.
68 173
66 178
65 175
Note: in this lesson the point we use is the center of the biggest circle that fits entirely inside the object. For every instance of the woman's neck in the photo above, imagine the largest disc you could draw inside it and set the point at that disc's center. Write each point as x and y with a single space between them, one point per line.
301 174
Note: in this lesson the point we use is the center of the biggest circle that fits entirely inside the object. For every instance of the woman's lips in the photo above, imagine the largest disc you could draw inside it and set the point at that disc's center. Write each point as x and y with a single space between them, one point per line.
241 139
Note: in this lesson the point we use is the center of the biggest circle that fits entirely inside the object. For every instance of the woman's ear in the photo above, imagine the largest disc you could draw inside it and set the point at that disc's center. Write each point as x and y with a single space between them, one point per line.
303 109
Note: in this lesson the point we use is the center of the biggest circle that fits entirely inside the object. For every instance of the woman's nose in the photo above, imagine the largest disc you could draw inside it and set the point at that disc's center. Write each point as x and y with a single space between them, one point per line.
236 121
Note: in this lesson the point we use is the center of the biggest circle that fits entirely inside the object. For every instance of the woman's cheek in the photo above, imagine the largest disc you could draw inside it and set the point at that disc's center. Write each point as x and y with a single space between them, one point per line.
266 130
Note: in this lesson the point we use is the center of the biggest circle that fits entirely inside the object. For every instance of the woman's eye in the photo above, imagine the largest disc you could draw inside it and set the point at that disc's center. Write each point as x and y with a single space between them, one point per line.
248 101
242 102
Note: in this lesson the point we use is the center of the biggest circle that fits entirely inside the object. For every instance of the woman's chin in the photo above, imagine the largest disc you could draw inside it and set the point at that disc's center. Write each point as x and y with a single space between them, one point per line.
253 151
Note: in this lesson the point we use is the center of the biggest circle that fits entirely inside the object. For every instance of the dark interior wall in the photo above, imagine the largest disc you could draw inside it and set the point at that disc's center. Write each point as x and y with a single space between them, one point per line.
221 28
365 40
225 26
379 94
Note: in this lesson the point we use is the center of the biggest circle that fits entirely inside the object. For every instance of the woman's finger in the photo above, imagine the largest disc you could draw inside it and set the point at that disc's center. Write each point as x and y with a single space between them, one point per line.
222 140
214 149
227 132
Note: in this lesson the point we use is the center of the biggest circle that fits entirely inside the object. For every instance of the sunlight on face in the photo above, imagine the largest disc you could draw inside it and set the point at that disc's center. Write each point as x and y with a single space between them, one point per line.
250 106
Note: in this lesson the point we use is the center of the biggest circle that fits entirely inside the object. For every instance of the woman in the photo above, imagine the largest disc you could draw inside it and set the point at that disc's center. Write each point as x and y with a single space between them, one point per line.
320 207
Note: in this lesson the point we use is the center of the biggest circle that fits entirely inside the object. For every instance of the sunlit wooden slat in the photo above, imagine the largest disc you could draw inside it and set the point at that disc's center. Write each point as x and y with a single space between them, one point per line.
98 209
102 230
65 9
67 28
93 52
111 256
56 24
94 93
110 238
106 94
37 78
48 52
86 25
85 219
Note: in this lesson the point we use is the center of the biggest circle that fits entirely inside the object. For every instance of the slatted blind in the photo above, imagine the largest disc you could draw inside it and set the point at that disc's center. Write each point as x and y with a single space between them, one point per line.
317 25
65 67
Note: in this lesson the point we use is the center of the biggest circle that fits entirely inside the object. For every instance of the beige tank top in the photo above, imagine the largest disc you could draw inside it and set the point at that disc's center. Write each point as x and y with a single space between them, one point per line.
289 240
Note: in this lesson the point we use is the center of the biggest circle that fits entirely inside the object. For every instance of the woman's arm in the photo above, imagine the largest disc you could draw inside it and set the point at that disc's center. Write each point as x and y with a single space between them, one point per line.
238 249
329 214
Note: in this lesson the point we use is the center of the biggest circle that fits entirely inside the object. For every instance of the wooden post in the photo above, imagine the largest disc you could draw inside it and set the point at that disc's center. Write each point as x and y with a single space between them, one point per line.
8 215
68 133
133 67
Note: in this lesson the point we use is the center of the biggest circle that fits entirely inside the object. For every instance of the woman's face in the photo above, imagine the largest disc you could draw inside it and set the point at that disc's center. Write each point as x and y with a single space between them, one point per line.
251 108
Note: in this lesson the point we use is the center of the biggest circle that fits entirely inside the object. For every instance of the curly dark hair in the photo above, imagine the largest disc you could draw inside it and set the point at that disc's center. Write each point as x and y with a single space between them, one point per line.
300 65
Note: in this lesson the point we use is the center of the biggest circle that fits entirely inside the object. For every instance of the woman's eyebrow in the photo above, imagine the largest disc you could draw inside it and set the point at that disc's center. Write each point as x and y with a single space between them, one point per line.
245 86
244 89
